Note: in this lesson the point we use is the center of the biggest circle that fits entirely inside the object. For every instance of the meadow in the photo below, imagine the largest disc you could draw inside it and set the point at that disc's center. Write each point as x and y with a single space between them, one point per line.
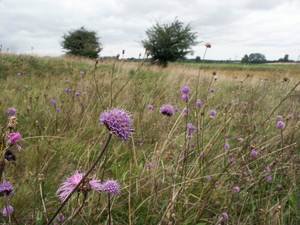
229 154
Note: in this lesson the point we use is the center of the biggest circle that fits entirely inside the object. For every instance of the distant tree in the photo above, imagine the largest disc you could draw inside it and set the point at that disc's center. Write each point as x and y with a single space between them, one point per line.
169 42
82 42
245 59
197 59
255 58
284 59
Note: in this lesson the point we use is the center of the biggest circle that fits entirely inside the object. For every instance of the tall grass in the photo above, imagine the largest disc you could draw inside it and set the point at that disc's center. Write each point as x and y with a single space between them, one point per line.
155 190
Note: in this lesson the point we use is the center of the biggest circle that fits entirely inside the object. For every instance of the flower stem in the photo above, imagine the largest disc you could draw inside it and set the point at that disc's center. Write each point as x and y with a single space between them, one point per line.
82 180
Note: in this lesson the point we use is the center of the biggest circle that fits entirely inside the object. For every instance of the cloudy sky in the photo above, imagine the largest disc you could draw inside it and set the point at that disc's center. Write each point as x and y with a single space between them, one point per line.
233 27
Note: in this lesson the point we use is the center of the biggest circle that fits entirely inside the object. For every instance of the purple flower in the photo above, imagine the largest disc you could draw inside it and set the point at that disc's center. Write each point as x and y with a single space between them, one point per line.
118 122
112 187
167 110
58 110
269 178
68 90
6 188
14 137
77 93
199 103
185 97
53 102
96 185
212 114
11 112
7 210
150 107
236 189
60 218
253 153
226 146
185 111
190 129
69 185
185 90
280 124
224 217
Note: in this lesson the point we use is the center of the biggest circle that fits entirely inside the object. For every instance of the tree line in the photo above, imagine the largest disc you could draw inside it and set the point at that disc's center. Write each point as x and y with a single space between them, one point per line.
164 43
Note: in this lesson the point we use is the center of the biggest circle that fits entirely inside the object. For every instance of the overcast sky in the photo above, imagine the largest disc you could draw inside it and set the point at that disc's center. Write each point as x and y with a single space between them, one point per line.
233 27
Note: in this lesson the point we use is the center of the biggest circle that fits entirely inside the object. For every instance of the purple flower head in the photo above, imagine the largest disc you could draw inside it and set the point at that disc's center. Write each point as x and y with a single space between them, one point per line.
14 137
96 185
185 97
167 110
58 110
226 146
112 187
6 188
60 218
191 129
77 93
269 178
150 107
68 186
7 210
236 189
212 114
254 153
11 112
280 124
224 217
53 102
199 103
68 90
185 90
118 122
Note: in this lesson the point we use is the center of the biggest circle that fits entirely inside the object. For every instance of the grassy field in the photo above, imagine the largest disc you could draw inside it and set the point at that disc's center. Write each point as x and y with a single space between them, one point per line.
237 168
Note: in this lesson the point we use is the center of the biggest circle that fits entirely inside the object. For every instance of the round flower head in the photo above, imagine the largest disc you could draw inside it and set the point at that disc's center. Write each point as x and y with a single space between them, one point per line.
185 90
224 217
53 102
199 103
208 45
212 114
226 146
150 107
167 110
253 153
6 188
111 186
11 112
14 137
190 129
7 210
269 178
280 124
60 218
77 93
68 186
68 90
185 97
118 122
236 189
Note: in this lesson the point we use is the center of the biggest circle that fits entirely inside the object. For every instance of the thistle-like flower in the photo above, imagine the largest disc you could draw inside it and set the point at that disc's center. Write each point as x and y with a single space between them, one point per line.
6 188
167 110
69 185
280 125
236 189
185 97
14 137
118 122
199 103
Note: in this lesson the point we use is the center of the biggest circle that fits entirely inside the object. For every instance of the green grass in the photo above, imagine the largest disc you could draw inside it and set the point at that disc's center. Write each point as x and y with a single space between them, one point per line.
158 185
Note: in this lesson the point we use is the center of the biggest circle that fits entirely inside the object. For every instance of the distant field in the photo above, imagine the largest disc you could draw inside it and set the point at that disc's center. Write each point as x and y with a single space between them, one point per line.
234 166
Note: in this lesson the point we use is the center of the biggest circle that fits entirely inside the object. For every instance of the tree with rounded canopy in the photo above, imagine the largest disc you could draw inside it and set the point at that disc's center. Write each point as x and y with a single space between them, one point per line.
82 42
256 58
169 42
